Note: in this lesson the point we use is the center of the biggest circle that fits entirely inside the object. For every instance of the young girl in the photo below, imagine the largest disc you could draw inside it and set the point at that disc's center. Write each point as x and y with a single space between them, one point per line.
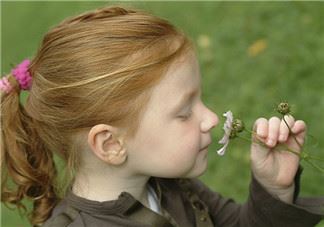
116 93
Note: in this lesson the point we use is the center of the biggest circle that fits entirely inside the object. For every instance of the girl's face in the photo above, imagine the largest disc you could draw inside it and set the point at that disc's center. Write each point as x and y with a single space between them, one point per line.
174 133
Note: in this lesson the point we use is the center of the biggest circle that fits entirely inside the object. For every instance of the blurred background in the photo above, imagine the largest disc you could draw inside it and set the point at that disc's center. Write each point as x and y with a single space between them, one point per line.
253 55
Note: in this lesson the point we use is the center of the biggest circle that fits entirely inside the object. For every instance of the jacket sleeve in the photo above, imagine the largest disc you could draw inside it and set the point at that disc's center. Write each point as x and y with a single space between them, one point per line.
261 209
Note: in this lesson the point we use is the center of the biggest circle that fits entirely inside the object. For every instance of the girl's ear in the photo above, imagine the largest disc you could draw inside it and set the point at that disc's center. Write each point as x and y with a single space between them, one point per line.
106 145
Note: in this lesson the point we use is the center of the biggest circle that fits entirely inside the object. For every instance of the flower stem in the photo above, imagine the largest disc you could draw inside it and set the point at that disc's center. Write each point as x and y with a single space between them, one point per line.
314 139
285 146
243 138
314 165
293 135
299 154
302 155
316 158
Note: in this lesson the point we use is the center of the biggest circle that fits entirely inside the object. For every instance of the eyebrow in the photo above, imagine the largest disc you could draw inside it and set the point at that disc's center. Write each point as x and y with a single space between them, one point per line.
185 99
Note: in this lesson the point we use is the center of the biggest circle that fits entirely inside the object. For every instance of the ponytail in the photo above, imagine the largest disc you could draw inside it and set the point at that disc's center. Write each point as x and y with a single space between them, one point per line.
27 167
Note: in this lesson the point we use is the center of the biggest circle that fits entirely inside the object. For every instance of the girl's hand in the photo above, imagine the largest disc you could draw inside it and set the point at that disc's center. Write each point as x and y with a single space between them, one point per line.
272 165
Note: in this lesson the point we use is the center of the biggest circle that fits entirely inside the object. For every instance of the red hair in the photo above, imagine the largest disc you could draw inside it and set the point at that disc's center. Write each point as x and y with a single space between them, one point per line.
98 67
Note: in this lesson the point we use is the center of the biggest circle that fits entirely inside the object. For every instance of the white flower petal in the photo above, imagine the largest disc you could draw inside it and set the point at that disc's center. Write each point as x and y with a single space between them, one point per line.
227 132
222 150
229 117
224 139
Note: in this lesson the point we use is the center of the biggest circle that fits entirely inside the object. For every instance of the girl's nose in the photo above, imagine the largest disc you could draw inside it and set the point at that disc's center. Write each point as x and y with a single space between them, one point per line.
210 120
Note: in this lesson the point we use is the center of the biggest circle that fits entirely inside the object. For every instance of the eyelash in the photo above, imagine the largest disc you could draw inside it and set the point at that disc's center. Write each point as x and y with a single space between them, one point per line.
187 116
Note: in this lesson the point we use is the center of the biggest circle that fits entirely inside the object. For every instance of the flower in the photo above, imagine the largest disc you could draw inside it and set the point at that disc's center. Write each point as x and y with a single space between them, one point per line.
228 132
232 127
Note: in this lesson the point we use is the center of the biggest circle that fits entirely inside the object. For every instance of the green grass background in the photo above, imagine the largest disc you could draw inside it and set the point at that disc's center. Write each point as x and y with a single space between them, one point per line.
289 67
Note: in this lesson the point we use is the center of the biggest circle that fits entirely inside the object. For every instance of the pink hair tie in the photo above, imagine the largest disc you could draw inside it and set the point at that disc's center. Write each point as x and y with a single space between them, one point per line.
22 75
5 85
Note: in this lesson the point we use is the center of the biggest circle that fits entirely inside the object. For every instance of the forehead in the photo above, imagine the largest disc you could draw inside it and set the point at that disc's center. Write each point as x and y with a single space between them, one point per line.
182 77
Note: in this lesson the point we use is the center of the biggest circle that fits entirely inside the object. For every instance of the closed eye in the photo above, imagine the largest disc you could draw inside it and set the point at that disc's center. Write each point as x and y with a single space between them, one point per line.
186 116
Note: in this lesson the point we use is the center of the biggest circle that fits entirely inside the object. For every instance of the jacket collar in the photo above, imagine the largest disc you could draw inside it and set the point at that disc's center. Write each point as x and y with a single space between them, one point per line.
124 204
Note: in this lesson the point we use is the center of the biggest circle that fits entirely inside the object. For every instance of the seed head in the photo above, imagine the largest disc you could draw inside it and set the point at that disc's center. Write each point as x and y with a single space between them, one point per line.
283 108
238 125
233 134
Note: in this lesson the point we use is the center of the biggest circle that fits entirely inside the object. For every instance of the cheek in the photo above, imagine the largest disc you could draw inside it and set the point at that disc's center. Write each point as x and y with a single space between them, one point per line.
180 153
173 148
176 140
167 152
186 141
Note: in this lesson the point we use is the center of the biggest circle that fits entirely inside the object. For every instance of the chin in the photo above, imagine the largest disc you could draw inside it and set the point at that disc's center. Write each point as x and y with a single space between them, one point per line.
202 171
198 170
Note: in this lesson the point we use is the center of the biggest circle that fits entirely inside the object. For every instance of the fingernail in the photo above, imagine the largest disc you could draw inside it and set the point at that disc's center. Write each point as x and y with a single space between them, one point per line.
281 137
270 142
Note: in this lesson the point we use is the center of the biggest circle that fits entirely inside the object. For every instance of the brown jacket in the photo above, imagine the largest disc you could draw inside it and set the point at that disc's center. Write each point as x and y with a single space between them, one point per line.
188 203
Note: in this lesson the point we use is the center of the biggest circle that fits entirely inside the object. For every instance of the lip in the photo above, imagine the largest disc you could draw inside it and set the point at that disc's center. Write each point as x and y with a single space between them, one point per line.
205 147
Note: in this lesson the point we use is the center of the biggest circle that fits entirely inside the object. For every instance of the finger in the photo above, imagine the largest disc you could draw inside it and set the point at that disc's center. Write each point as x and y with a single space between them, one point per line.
299 130
259 152
273 131
261 128
284 130
299 127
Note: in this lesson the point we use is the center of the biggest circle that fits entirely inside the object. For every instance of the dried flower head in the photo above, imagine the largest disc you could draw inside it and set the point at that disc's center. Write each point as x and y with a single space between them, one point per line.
231 128
239 125
283 108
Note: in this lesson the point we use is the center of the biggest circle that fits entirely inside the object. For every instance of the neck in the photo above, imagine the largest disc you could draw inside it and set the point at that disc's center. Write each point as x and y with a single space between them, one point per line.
107 185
